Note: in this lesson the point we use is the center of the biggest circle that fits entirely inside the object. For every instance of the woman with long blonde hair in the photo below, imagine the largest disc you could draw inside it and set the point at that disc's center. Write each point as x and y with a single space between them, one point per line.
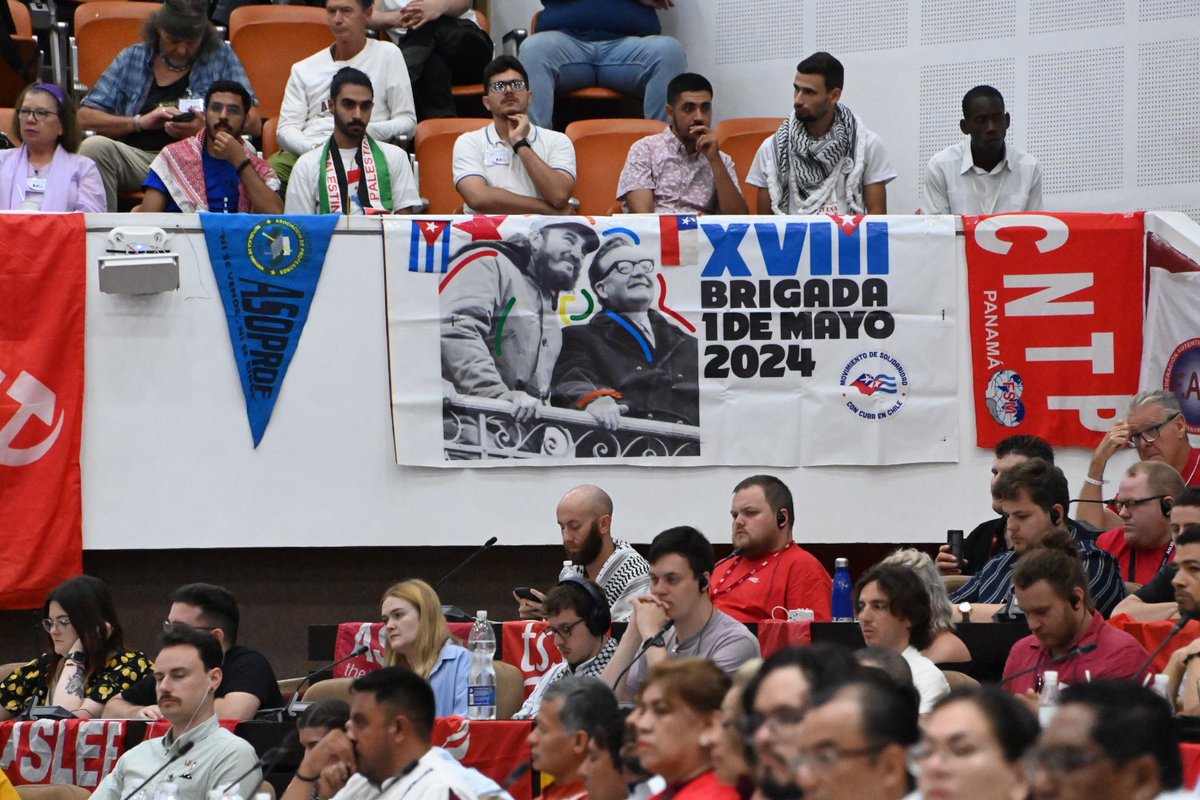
418 639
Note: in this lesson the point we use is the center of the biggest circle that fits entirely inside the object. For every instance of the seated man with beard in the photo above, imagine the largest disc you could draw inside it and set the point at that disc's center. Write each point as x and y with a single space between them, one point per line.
627 360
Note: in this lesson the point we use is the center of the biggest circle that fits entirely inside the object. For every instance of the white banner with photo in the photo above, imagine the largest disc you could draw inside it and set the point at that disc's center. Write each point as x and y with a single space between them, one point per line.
681 341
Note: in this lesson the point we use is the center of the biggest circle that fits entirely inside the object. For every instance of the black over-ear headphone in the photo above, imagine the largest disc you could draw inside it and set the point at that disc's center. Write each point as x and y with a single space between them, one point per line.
781 518
599 619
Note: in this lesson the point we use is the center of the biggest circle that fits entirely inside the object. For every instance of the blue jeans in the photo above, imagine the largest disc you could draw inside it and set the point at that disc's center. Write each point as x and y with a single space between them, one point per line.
636 65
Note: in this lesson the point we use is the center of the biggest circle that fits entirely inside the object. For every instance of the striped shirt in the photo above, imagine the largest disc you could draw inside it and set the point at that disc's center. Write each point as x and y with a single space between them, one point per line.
993 583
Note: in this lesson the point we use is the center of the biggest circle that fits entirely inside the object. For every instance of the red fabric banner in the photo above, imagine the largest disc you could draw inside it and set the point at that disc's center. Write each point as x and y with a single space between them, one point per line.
1056 306
1151 634
495 748
43 290
526 644
78 751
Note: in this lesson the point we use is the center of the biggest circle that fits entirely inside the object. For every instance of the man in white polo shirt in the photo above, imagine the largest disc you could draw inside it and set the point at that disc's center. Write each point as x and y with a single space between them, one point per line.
513 166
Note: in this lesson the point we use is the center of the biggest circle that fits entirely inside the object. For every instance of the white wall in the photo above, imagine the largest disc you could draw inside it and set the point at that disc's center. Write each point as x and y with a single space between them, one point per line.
1104 92
168 461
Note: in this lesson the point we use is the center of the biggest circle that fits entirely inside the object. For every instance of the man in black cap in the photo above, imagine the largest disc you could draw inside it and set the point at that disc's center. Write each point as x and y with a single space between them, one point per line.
152 94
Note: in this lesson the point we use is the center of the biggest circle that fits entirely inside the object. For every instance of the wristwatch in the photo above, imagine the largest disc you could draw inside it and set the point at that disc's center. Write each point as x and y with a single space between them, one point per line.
965 609
521 143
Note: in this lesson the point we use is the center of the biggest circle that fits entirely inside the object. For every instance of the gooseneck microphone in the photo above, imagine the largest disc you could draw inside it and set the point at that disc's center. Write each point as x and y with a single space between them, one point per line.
646 645
484 547
268 760
179 753
290 710
1184 618
1074 652
734 554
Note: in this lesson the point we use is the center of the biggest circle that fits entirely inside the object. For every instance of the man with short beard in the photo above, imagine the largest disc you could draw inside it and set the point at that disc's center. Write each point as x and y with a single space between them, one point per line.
513 291
215 170
628 360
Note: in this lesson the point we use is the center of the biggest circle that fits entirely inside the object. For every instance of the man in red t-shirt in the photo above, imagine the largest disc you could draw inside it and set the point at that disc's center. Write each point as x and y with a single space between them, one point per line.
1142 545
769 574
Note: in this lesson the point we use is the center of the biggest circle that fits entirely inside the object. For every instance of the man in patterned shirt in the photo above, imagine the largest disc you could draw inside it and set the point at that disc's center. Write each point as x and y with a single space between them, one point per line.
682 170
1033 498
585 519
579 625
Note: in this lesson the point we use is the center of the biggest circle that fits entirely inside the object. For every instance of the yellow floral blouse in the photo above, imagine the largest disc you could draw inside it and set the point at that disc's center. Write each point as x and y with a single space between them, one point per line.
33 680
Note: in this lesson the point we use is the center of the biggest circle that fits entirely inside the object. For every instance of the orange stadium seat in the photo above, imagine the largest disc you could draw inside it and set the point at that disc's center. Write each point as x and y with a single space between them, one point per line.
434 148
22 21
268 40
467 89
740 140
102 30
270 144
601 146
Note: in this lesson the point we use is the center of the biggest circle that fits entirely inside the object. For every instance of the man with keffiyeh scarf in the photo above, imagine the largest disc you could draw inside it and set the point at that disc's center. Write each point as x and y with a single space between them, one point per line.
822 160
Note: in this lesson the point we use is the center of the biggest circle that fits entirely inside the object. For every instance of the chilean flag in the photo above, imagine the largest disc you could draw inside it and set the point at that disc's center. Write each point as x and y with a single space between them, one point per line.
678 237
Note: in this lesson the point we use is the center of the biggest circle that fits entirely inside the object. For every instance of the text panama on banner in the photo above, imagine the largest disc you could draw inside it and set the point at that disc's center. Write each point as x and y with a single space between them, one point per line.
1056 323
267 269
43 290
779 341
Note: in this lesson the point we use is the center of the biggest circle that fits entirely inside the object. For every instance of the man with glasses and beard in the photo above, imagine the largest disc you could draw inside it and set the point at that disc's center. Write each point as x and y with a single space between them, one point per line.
628 360
585 520
511 290
214 170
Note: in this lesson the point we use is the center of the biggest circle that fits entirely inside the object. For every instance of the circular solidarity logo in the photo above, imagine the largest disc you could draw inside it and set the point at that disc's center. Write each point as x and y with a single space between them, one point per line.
1182 379
874 385
1003 398
276 246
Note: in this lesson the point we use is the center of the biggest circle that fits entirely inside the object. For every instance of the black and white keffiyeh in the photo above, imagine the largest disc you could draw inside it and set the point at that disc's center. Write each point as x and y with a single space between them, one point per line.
813 168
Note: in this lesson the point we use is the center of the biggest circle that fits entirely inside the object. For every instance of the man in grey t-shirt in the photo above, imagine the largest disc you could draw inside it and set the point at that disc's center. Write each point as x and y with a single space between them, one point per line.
681 564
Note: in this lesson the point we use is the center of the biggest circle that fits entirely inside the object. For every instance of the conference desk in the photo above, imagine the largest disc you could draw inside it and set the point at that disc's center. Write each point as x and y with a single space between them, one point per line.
83 751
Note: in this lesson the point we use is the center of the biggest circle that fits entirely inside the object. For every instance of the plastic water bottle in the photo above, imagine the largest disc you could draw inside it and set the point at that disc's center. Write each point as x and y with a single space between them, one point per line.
843 603
1048 703
481 680
569 570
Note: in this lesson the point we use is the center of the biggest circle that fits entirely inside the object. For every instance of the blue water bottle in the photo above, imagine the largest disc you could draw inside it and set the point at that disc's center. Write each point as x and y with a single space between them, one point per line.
843 603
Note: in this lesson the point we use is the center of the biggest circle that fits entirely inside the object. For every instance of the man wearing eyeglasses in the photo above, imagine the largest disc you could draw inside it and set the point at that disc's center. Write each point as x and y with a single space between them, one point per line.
580 630
248 682
1109 739
513 166
1157 429
628 360
1142 545
1157 599
854 744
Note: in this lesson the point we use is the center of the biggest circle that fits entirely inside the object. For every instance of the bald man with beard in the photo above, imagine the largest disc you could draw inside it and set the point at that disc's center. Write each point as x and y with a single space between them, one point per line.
585 520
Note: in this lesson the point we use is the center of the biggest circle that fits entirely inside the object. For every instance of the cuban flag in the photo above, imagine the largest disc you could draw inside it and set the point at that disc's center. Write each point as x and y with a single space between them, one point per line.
429 250
870 384
678 239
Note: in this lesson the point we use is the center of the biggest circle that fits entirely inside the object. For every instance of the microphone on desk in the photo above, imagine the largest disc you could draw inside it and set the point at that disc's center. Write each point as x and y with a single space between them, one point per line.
642 650
519 772
179 753
1074 652
454 613
294 706
268 760
1184 618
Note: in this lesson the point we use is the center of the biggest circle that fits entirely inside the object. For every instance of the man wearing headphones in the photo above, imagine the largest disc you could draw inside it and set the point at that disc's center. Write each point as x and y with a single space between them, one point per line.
578 619
1053 591
1033 498
771 574
677 618
199 755
1143 545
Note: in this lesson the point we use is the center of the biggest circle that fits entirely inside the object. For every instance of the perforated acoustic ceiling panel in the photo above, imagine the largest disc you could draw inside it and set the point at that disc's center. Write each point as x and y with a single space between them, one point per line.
750 31
1150 10
940 103
1168 141
1076 126
948 21
1050 16
855 26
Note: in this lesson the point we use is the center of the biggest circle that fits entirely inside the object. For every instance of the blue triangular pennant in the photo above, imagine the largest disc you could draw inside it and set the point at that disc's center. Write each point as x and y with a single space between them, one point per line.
267 270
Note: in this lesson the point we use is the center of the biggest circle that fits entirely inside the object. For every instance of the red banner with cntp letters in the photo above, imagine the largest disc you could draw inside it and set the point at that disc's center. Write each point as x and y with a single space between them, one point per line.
43 290
1056 323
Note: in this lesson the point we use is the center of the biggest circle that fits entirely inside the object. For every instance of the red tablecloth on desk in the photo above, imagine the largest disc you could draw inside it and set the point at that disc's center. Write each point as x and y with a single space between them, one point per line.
1191 763
526 644
1151 635
774 634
